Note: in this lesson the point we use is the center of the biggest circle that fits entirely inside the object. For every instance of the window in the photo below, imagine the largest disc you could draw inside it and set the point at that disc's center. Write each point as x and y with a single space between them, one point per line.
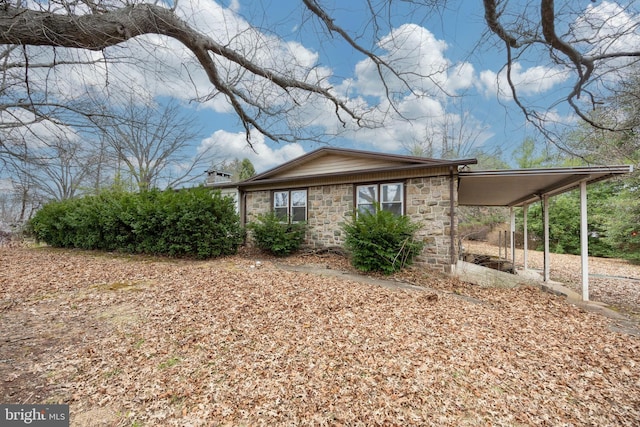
298 206
390 197
290 205
367 198
281 204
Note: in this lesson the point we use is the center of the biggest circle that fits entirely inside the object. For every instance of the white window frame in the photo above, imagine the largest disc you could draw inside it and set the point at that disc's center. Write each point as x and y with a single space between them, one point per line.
378 190
290 203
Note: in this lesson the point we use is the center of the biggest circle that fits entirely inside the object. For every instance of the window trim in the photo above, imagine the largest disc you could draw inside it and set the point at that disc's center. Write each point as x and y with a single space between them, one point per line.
378 189
290 207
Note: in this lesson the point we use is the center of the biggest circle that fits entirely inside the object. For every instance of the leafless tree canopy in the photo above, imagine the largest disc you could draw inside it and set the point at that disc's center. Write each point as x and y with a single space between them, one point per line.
591 49
152 145
548 31
96 26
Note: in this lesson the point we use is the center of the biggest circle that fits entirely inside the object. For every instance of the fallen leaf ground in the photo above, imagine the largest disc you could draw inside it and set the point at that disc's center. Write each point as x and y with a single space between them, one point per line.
133 341
614 282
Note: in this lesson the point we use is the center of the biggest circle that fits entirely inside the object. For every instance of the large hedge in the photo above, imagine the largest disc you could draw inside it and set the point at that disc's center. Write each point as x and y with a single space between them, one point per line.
192 222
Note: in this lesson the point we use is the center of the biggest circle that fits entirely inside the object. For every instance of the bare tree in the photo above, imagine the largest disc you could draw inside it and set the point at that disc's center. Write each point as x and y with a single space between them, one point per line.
20 196
578 45
449 137
154 144
592 49
57 168
64 169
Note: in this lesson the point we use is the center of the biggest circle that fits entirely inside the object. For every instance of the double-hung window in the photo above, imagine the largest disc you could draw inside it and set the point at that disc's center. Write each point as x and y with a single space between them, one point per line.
290 205
388 196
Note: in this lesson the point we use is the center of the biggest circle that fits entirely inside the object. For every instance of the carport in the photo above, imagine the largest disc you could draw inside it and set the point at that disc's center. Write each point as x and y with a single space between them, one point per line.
519 188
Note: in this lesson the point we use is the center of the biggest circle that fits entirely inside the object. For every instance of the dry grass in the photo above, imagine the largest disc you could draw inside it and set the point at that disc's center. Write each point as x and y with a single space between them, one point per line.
143 341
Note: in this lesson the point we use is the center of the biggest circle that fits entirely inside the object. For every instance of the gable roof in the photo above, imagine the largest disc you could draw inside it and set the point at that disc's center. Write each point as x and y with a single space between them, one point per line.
331 161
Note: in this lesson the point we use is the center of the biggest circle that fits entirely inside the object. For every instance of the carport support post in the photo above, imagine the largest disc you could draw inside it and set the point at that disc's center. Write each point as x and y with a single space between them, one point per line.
545 208
525 232
584 241
513 238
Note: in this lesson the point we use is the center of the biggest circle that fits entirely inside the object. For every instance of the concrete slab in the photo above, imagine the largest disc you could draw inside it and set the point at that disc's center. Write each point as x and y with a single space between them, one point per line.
487 277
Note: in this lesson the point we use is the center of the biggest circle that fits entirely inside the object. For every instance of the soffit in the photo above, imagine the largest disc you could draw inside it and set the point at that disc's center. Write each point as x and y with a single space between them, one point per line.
520 187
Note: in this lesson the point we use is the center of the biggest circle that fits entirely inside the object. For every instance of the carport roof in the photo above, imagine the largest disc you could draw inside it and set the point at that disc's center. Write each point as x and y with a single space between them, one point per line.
518 187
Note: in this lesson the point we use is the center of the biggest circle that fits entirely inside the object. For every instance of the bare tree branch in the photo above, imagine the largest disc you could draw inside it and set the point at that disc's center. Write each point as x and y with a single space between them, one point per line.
100 30
564 51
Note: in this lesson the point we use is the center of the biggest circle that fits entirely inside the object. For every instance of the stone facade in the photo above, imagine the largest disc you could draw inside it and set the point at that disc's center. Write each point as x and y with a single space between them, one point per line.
328 207
257 202
428 202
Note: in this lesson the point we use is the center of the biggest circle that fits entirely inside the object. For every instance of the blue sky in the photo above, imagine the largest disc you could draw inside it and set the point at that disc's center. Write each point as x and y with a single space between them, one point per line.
463 92
448 38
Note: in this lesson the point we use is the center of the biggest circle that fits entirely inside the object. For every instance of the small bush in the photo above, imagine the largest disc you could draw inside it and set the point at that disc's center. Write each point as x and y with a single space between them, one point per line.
279 238
382 241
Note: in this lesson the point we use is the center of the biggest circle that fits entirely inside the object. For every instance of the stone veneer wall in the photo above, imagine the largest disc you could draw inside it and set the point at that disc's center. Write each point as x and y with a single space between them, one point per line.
428 202
330 206
257 202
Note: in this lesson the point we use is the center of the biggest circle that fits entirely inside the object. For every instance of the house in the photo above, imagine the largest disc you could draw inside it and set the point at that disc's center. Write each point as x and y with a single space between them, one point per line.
325 187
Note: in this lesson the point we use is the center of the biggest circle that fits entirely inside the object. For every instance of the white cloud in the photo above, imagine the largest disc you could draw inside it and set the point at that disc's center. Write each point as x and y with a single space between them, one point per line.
531 81
234 5
460 77
417 55
418 58
231 145
609 28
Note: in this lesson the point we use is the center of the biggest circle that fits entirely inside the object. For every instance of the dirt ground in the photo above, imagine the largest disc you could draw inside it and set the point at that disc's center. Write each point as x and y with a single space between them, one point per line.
143 341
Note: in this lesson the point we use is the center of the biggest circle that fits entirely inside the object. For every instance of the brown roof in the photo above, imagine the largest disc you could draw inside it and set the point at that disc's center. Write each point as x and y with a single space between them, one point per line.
397 163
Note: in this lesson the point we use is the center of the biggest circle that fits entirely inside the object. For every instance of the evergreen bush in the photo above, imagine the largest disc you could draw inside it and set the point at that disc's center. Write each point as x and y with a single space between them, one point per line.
191 222
382 241
273 235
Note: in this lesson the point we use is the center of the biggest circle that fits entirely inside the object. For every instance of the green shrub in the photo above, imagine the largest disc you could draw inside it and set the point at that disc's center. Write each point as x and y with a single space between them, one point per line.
279 238
193 222
382 241
49 224
198 223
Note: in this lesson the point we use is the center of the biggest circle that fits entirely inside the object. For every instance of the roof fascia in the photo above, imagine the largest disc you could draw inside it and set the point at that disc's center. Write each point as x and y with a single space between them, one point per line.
574 181
421 161
456 163
585 170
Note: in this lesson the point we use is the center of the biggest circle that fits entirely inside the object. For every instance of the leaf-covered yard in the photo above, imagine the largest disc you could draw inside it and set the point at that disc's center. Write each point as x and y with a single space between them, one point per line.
144 341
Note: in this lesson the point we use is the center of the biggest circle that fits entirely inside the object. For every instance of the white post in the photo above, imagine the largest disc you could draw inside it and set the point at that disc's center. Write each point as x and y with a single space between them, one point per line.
513 238
584 241
525 257
545 204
